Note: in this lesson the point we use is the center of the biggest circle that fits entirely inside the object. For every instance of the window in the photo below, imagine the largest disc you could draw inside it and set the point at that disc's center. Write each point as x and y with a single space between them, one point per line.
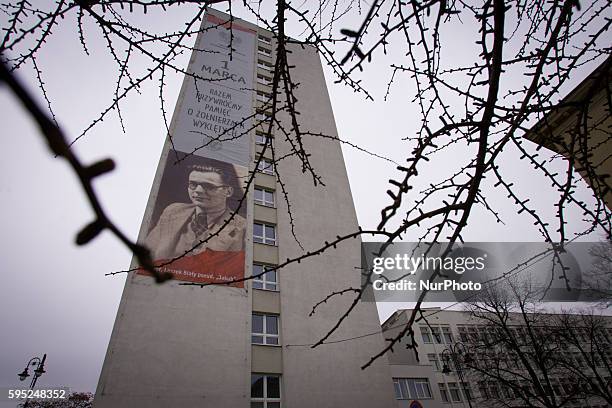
484 392
262 138
443 392
264 233
264 51
433 360
447 335
463 334
263 116
412 388
265 391
425 334
263 96
267 281
264 80
437 336
265 166
264 197
453 390
467 391
264 39
264 329
264 65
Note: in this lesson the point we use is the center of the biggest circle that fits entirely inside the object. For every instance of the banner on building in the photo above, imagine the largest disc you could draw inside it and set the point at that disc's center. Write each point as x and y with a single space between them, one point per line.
198 222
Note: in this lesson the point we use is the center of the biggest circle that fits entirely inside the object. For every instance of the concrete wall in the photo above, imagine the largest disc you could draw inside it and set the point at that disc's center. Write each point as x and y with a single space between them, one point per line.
175 347
329 375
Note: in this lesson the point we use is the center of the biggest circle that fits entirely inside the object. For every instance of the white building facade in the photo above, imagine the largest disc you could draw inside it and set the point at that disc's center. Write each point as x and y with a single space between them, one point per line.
441 376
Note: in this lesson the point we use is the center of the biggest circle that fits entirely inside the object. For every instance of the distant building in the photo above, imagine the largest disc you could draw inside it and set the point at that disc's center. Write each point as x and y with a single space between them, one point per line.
580 129
451 342
248 344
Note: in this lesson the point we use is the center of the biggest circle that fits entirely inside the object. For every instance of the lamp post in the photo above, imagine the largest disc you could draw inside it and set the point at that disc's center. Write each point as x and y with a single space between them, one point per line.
38 371
457 353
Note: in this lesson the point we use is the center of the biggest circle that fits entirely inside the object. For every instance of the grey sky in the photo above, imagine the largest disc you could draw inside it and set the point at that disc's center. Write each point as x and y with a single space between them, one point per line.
54 297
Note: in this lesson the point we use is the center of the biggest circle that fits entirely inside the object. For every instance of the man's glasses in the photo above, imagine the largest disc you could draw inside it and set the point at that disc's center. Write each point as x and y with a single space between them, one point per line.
205 186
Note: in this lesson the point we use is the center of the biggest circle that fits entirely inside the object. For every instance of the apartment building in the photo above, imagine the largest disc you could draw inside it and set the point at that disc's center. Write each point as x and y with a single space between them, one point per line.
248 343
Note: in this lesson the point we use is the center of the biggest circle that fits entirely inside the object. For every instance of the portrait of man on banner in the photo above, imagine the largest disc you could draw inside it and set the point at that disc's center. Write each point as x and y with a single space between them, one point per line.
197 219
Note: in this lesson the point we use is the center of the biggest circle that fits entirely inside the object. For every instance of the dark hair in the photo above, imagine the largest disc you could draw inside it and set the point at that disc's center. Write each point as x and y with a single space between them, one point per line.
209 169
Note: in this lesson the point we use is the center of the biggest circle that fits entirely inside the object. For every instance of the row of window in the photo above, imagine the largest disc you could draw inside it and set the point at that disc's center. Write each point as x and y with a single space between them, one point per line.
264 233
436 334
511 361
473 333
264 329
412 388
418 388
265 388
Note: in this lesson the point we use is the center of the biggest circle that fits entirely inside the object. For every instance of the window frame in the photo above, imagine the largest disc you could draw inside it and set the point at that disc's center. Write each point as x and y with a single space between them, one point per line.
261 138
434 361
263 39
454 392
263 96
444 393
263 117
264 80
425 334
264 239
447 335
263 202
265 166
265 400
264 51
264 334
436 334
467 391
418 385
261 64
271 286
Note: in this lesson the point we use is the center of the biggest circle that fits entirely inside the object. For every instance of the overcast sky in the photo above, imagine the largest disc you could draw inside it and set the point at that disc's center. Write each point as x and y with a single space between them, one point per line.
54 297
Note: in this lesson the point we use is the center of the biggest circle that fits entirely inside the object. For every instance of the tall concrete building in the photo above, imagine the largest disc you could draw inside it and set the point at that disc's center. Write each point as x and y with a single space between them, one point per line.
249 343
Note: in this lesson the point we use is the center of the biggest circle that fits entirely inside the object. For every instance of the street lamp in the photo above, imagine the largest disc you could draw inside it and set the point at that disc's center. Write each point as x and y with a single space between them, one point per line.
457 354
38 371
